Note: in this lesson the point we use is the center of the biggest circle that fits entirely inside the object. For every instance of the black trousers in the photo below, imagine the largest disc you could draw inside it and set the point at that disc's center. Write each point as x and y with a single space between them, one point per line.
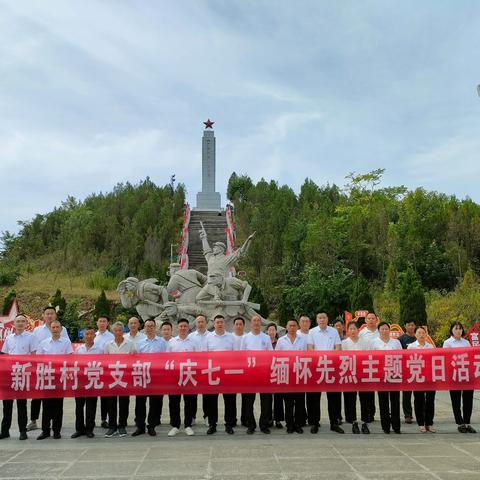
334 407
278 410
123 404
294 410
407 404
188 408
350 402
265 410
85 411
229 400
103 408
155 405
52 415
458 397
389 403
35 406
22 416
424 403
369 405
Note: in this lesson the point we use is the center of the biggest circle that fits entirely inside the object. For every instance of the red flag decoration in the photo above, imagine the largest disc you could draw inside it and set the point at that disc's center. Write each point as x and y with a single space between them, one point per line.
41 376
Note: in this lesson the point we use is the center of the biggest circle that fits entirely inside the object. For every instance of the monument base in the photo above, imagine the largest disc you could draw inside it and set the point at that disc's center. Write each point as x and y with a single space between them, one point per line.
208 201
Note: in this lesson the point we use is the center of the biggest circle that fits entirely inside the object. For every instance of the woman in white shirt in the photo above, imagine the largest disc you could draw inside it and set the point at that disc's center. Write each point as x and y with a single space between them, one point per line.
389 402
459 397
424 401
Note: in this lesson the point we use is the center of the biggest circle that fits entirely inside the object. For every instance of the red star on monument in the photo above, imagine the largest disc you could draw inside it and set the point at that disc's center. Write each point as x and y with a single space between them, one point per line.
208 123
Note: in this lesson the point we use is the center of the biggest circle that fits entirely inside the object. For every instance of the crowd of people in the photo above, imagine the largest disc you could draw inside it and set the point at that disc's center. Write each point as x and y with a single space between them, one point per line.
295 410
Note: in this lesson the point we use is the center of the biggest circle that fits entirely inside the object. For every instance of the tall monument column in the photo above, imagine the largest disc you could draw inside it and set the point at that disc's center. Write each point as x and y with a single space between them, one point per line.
208 198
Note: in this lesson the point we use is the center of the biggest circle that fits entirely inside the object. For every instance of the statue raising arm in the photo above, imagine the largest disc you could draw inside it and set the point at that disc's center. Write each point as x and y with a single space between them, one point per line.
203 237
242 251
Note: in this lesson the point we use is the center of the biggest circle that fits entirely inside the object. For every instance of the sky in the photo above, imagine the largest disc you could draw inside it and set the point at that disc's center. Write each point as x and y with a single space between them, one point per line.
93 93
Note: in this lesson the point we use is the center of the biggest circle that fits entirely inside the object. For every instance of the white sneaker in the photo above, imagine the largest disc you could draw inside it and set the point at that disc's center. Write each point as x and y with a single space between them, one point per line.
189 431
173 432
32 426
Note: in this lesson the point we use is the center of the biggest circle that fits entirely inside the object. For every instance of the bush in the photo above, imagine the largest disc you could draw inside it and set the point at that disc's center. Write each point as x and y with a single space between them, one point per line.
71 320
7 303
9 274
99 280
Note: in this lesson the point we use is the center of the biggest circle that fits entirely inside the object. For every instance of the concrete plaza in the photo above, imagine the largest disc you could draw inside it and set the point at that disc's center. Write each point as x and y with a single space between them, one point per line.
444 455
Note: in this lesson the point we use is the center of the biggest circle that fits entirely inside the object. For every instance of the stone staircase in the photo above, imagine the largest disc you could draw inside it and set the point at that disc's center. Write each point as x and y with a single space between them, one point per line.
215 224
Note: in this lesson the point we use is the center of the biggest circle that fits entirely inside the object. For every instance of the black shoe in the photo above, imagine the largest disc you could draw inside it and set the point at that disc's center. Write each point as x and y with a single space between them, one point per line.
470 429
336 428
138 431
4 435
23 436
151 431
387 432
250 431
57 436
90 434
278 425
408 419
299 429
104 424
211 429
397 431
462 428
229 430
291 430
365 429
76 434
314 429
265 430
355 429
270 425
111 432
43 435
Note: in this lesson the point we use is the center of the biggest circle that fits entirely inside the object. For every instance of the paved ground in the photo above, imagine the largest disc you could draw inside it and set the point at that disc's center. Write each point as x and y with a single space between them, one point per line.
410 456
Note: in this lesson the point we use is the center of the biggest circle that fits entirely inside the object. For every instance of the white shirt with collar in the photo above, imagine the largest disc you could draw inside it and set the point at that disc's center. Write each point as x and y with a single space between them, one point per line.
49 346
220 343
154 345
42 332
177 344
301 334
415 344
238 341
284 343
22 344
101 339
125 347
392 344
360 344
326 339
259 341
200 340
368 334
453 343
139 336
82 349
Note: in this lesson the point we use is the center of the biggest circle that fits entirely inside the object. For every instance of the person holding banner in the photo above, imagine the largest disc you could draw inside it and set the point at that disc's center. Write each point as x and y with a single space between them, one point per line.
52 415
181 343
220 340
134 335
294 401
19 343
309 398
119 344
389 402
354 342
86 407
166 330
238 334
257 340
324 337
423 402
278 400
150 344
457 397
406 339
41 333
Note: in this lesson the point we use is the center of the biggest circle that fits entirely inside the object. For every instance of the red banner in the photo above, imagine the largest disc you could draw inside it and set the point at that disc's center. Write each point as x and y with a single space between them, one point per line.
40 376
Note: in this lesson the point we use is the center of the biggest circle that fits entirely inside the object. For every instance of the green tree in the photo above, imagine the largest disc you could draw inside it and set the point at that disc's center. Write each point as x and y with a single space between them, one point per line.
59 303
103 306
71 320
361 297
7 303
412 299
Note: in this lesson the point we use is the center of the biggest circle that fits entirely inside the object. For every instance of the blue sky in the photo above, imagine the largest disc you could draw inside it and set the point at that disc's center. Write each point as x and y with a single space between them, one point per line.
93 93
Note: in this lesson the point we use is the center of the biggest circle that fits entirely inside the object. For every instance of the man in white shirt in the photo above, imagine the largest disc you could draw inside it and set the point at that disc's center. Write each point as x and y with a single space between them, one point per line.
86 407
166 331
238 334
19 343
294 401
134 335
257 340
52 415
151 344
119 344
181 343
370 333
102 336
41 333
220 341
310 398
324 337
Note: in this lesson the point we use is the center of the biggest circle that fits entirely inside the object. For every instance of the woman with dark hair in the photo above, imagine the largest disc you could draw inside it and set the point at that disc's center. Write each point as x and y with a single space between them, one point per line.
423 401
278 398
460 398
